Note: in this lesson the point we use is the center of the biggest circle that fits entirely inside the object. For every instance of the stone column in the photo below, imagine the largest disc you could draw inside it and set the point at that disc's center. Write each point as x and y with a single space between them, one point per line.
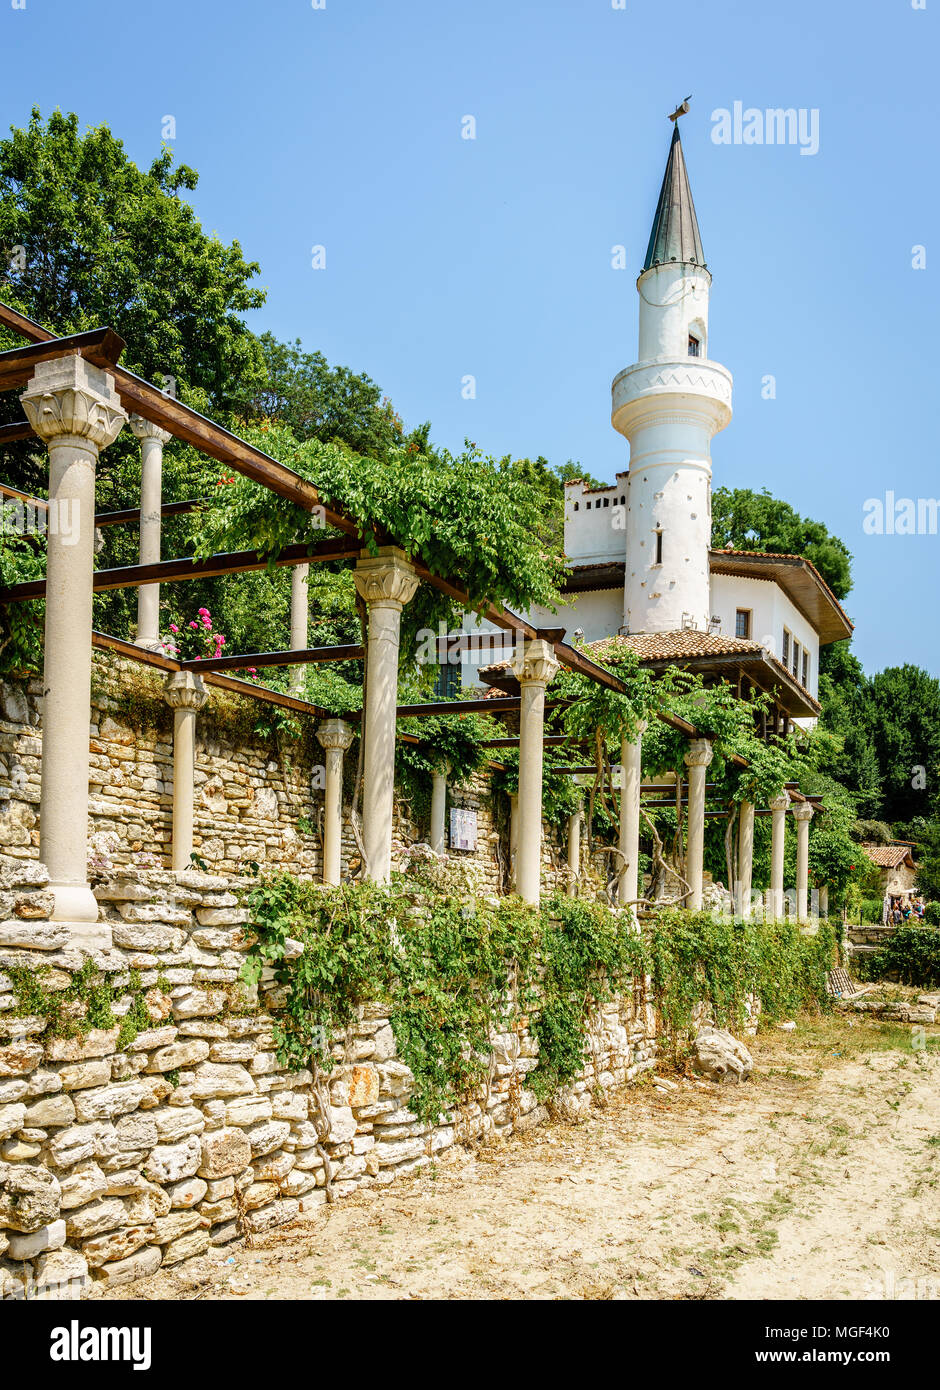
335 736
802 814
186 694
631 777
152 439
299 621
779 806
574 850
533 666
513 837
697 760
74 409
824 900
439 810
386 582
745 857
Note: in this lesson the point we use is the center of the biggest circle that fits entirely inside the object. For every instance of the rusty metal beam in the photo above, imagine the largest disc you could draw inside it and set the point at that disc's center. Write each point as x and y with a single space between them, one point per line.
173 571
100 346
303 656
20 429
142 398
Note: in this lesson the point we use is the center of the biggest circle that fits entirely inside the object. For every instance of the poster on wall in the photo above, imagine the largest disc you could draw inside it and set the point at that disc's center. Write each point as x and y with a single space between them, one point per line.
463 828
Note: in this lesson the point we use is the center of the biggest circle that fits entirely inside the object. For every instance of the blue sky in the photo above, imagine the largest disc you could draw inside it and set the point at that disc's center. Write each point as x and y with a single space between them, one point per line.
491 257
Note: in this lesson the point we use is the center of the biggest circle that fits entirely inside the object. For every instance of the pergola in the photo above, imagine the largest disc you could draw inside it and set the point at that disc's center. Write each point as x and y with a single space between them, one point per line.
77 400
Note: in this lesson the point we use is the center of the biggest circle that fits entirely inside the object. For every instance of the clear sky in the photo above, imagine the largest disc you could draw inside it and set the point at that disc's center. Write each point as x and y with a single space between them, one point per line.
448 257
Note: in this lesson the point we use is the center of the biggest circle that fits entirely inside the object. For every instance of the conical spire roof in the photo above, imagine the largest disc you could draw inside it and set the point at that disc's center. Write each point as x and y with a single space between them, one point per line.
675 235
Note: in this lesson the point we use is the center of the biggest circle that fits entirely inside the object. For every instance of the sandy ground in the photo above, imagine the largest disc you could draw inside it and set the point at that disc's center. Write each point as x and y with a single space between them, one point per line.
818 1179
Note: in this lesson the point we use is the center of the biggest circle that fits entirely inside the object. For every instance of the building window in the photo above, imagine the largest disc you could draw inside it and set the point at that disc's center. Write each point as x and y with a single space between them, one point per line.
742 622
786 647
795 668
805 669
695 347
577 506
447 684
659 548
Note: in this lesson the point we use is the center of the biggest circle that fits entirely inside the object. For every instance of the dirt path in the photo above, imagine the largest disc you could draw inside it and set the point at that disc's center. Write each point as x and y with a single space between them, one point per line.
818 1179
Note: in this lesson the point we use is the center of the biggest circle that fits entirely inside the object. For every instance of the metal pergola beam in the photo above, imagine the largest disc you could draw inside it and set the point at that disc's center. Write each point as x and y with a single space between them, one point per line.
100 346
140 397
303 656
104 642
131 514
550 740
103 347
174 571
20 429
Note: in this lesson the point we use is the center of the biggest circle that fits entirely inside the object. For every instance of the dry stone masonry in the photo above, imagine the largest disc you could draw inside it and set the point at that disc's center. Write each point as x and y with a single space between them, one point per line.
175 1128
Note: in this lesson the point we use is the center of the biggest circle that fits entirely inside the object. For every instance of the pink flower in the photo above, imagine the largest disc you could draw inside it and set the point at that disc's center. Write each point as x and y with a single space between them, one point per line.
194 625
203 612
173 627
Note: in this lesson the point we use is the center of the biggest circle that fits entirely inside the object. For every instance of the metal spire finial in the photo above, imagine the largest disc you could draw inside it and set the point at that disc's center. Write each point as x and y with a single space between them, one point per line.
682 109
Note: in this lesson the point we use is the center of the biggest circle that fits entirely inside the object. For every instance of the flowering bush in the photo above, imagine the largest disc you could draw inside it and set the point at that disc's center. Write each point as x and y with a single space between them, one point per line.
194 639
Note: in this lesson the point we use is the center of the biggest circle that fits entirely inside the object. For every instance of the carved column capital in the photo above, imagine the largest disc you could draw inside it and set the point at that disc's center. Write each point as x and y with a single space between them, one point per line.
802 811
386 580
335 733
700 753
780 803
146 429
185 690
536 664
69 398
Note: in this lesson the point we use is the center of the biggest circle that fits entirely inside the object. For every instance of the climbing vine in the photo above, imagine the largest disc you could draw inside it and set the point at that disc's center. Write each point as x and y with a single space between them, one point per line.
469 517
91 999
453 970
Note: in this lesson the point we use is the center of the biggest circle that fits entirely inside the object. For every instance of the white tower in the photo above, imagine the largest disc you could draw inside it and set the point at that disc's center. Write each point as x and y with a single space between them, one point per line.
669 405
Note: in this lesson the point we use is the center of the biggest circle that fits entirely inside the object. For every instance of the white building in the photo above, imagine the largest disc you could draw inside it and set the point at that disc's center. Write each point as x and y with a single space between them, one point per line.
642 566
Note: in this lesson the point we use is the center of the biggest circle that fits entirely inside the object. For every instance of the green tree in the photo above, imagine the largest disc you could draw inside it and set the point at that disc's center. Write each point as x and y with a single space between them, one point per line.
90 239
546 483
903 715
928 861
333 404
749 520
849 754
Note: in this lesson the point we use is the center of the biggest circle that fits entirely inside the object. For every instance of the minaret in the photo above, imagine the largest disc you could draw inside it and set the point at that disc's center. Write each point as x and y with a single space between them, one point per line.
669 405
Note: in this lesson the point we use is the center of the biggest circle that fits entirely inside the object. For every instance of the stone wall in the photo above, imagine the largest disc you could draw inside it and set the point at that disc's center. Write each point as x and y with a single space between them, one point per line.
257 798
119 1154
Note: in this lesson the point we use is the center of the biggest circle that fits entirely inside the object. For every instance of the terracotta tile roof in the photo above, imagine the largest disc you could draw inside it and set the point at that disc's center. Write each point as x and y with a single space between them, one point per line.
673 646
685 645
889 856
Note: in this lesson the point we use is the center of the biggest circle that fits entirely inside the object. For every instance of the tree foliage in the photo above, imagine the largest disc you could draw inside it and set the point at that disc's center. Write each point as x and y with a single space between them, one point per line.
748 520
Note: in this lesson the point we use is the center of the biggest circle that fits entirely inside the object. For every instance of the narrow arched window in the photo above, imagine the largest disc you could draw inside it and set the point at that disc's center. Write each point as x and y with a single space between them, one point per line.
659 548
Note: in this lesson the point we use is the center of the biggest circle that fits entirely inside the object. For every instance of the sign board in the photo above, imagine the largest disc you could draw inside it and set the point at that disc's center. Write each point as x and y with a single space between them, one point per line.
463 828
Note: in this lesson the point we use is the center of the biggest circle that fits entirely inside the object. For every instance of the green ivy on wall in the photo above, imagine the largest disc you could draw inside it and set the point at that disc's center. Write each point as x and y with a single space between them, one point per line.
451 971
